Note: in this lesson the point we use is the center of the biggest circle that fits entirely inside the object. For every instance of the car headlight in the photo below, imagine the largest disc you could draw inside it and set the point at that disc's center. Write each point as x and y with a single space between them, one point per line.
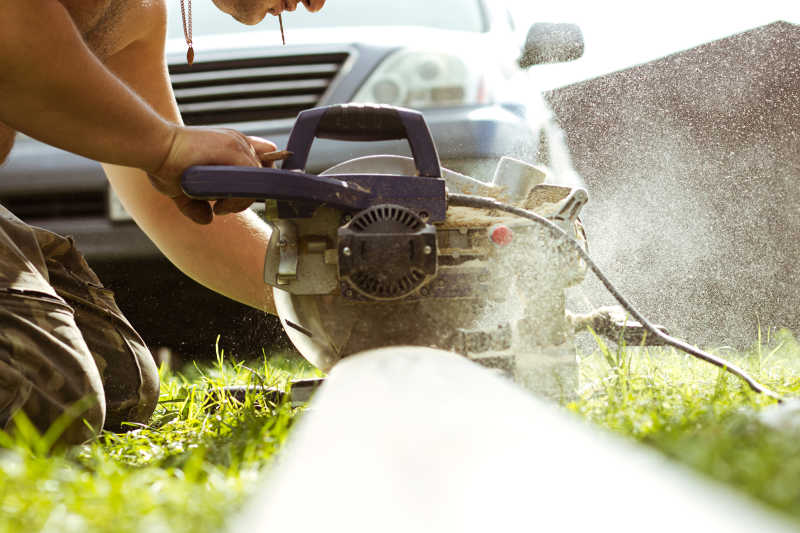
421 79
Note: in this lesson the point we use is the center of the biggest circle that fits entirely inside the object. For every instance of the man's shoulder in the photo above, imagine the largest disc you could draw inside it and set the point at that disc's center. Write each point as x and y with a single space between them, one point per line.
123 22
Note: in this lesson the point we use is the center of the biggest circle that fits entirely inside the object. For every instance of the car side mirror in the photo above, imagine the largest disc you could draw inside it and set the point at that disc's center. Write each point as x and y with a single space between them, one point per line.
551 43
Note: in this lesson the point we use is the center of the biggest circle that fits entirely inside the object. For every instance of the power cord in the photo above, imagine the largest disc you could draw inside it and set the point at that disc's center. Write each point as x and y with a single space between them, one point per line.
481 202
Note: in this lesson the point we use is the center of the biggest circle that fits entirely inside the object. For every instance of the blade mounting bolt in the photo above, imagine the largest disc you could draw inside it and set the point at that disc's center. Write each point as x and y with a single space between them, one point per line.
346 251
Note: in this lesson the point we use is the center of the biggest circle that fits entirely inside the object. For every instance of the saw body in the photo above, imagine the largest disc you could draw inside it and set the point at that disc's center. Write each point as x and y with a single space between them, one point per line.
368 254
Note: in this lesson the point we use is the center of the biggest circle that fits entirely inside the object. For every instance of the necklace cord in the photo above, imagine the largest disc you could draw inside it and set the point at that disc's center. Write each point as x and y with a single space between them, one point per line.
186 17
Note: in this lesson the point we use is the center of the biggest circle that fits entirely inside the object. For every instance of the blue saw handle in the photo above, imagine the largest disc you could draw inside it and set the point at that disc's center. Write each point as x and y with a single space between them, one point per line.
356 122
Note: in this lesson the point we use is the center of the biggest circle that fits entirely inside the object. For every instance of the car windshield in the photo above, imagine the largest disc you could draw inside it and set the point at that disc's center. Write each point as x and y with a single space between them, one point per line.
461 15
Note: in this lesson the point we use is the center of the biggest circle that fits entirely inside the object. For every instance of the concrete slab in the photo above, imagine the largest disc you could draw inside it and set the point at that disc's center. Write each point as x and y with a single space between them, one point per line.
414 439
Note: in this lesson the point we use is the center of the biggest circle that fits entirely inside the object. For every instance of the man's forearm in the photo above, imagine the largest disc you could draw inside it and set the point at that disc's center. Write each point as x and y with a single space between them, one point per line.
54 89
226 256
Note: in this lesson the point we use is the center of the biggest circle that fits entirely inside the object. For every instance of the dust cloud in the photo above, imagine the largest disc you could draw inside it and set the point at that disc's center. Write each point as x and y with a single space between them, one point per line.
692 163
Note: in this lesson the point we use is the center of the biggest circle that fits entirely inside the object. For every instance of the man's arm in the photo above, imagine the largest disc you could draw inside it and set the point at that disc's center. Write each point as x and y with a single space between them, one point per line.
54 89
226 255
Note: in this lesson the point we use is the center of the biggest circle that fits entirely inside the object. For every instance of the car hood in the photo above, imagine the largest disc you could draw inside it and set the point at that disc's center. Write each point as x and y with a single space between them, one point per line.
383 36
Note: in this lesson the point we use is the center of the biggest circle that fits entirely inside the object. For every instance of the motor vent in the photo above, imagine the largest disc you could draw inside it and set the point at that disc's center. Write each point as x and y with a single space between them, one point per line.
386 219
386 252
377 286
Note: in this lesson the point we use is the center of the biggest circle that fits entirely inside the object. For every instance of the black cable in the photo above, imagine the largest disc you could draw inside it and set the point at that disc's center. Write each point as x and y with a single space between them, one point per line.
481 202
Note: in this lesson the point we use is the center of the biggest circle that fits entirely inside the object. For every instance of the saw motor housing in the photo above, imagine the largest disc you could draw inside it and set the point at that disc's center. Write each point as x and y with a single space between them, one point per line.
368 253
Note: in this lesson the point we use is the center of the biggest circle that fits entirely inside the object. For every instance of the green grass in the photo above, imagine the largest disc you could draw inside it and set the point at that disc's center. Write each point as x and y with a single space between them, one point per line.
199 459
701 415
187 471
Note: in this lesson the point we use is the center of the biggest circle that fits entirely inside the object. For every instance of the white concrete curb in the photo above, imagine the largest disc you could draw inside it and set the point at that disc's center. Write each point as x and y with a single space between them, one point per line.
415 439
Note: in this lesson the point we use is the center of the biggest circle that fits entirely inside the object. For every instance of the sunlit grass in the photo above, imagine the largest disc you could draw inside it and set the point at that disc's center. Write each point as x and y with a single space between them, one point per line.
701 415
202 454
188 470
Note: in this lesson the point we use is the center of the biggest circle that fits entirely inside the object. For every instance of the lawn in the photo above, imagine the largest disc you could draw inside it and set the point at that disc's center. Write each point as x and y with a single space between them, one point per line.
200 457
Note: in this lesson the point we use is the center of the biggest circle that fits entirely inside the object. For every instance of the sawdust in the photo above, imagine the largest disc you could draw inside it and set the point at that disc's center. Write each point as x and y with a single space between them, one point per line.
460 217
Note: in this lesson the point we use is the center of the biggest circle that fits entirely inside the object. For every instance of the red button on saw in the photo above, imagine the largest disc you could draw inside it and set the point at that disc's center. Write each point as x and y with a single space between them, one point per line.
501 234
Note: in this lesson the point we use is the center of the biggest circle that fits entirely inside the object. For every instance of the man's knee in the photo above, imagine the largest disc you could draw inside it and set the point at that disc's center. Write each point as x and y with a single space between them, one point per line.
150 388
131 382
127 369
81 419
46 369
75 408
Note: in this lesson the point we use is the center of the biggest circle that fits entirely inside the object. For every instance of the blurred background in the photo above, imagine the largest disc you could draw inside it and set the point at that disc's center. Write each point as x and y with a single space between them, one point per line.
690 151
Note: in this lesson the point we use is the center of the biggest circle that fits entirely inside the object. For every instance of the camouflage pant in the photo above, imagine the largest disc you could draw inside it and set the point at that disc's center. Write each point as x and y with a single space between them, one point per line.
63 340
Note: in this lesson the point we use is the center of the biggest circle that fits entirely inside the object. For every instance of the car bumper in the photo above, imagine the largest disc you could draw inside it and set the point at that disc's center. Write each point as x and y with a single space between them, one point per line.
99 239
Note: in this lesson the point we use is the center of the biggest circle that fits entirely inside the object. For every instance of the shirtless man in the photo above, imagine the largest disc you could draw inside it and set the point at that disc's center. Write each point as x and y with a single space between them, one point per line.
89 76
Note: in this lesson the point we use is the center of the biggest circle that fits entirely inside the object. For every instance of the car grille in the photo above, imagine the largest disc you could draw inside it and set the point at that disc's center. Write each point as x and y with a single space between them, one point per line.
245 90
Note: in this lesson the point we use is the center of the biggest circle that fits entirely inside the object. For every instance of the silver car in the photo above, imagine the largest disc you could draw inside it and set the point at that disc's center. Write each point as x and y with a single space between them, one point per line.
456 60
461 62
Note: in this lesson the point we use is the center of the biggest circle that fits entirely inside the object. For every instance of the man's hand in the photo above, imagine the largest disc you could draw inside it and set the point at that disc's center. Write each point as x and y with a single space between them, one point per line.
253 11
206 146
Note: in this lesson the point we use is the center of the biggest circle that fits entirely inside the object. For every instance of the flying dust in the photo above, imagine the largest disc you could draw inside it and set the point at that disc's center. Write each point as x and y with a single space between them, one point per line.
692 163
